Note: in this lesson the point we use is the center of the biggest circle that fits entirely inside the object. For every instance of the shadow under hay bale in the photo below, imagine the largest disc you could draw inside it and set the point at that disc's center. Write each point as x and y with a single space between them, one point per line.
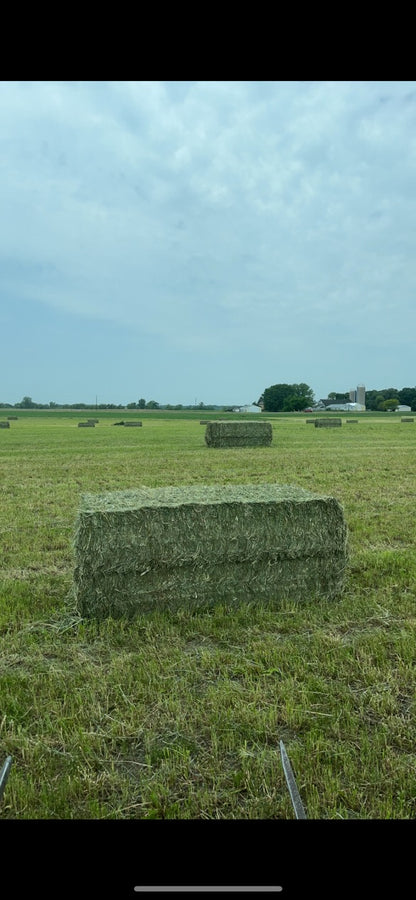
238 434
328 423
192 547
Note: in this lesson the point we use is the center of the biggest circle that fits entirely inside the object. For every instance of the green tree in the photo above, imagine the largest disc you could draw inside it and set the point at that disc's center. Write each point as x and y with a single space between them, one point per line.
152 405
26 403
338 398
287 397
407 396
142 403
391 404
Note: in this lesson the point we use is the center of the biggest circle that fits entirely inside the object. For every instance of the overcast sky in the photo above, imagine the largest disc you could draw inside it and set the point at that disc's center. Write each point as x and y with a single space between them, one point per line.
200 241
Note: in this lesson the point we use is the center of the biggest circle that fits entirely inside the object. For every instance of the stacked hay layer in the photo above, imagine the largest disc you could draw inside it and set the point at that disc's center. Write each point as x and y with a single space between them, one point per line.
407 419
86 424
196 546
131 424
238 434
328 423
4 424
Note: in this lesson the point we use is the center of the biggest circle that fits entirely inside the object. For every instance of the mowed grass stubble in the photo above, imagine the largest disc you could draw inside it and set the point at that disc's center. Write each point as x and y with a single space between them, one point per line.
180 715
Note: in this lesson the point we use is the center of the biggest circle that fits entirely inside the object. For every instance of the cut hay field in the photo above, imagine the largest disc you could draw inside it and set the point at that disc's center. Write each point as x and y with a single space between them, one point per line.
179 715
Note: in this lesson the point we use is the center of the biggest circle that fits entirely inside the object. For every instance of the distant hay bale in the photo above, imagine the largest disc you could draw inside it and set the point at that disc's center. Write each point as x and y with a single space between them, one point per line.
351 421
195 546
4 424
328 423
310 421
12 418
238 434
131 424
94 421
407 419
86 425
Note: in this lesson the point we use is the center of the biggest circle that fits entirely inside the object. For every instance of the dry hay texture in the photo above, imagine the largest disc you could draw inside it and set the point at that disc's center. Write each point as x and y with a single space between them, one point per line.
192 547
328 423
238 434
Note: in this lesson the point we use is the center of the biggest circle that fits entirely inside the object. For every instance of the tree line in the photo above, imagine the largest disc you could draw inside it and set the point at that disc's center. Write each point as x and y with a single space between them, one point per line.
28 403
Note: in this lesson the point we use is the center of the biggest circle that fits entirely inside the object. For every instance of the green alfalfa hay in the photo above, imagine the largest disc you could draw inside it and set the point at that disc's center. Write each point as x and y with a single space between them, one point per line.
238 434
328 423
196 546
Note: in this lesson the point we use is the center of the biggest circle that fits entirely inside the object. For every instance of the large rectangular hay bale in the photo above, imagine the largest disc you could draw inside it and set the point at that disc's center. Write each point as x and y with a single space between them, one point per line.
238 434
195 546
351 421
86 424
130 424
4 424
328 423
407 419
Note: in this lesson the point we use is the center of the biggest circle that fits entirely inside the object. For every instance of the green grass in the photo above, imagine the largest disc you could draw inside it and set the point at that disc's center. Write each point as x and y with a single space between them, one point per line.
180 715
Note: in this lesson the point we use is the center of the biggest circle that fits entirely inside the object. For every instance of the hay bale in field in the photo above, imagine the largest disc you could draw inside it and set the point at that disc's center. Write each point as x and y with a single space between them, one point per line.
195 546
238 434
4 424
406 419
328 423
94 421
351 421
310 421
137 424
86 425
118 423
12 418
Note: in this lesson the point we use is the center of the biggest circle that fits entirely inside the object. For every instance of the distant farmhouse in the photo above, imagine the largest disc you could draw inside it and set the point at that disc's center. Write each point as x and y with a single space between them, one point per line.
356 403
249 408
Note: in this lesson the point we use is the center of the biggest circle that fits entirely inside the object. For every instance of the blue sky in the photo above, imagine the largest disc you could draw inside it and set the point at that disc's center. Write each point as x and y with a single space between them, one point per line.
200 241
